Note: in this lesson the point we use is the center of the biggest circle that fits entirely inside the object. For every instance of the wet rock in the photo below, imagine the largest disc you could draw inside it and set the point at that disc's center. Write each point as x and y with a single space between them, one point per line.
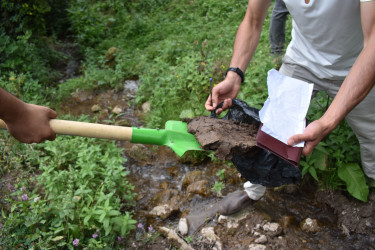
272 228
289 188
81 96
190 178
164 196
257 247
232 226
209 234
222 219
183 226
174 239
117 109
199 187
173 171
310 225
164 211
140 153
123 122
146 107
261 239
234 221
110 57
286 221
96 108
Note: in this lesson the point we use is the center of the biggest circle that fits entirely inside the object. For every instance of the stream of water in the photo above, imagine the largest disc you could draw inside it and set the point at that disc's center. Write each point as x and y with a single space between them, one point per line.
158 176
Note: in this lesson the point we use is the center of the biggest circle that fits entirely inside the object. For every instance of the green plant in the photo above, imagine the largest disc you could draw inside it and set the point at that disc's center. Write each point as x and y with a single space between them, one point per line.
335 162
82 189
189 239
23 47
218 187
221 174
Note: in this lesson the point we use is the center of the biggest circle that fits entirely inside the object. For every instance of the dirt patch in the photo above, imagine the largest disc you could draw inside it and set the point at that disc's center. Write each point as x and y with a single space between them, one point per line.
225 137
353 215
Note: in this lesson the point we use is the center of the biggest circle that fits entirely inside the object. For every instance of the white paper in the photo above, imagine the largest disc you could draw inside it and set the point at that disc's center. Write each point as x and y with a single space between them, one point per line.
284 112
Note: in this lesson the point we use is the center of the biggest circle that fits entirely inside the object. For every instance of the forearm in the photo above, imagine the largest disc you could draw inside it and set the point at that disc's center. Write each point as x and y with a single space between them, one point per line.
10 106
248 33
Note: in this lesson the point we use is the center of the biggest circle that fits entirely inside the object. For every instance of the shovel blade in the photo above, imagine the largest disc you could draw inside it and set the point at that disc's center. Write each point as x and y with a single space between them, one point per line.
175 136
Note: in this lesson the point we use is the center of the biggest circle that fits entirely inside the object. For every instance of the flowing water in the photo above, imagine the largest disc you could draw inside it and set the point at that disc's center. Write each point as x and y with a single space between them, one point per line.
160 176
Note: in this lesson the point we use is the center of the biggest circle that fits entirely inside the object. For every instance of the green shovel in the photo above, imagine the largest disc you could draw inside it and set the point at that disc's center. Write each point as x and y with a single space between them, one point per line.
174 135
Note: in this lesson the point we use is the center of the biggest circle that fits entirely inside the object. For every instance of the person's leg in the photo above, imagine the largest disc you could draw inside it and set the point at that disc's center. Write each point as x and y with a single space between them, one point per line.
277 27
362 120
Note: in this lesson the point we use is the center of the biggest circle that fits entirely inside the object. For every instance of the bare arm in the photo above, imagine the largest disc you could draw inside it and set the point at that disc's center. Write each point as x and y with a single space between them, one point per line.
26 122
245 44
354 89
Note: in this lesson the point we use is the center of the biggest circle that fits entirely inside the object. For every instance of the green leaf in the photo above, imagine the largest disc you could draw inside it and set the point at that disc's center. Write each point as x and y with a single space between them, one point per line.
57 238
354 179
187 113
312 171
305 168
86 219
114 213
102 216
320 160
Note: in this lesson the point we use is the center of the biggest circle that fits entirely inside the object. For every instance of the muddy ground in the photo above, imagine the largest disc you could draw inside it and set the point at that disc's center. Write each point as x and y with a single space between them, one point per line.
292 216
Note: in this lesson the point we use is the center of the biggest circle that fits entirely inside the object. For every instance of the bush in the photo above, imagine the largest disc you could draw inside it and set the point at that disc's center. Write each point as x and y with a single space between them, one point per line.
82 193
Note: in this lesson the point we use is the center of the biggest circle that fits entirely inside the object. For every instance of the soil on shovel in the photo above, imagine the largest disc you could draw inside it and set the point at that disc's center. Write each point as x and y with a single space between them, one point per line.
225 137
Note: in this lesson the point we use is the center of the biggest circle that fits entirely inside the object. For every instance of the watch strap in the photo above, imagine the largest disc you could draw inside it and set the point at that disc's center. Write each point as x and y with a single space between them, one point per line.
238 71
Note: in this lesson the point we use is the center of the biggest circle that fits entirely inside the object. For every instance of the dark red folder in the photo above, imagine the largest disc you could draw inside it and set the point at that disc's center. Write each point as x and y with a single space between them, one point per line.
282 150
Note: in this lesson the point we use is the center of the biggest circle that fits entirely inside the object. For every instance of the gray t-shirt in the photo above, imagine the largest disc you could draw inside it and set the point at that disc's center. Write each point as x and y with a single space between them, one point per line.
326 36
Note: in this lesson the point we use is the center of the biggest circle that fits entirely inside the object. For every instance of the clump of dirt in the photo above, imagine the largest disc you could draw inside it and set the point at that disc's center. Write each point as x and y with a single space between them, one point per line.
225 137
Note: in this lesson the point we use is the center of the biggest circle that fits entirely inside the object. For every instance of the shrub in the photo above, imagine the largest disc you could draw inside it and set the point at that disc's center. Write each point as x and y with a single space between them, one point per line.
82 190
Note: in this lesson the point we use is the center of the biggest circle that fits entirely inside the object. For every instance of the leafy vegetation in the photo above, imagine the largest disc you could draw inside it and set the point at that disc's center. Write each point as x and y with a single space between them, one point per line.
73 191
81 190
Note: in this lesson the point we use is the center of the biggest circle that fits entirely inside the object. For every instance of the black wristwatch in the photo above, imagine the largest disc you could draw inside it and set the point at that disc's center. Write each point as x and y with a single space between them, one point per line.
238 71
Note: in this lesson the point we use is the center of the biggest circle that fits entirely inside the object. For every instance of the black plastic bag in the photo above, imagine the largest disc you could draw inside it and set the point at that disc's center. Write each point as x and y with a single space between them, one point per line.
263 167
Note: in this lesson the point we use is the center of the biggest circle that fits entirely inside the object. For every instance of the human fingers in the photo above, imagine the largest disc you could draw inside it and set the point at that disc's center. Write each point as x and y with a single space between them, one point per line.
39 122
312 135
52 114
309 145
50 133
227 103
208 105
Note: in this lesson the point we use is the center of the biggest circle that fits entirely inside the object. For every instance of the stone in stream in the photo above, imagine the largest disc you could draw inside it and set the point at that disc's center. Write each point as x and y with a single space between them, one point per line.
174 239
225 137
183 226
310 225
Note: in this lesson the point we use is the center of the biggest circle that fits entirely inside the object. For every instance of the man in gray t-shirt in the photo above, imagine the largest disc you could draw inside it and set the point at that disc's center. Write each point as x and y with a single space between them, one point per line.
333 46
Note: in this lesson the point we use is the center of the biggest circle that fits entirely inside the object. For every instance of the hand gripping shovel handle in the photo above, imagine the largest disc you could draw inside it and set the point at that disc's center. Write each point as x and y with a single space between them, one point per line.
174 136
86 129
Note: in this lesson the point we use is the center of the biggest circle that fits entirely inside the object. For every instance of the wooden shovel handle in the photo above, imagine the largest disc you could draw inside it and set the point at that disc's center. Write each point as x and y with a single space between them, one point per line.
86 129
